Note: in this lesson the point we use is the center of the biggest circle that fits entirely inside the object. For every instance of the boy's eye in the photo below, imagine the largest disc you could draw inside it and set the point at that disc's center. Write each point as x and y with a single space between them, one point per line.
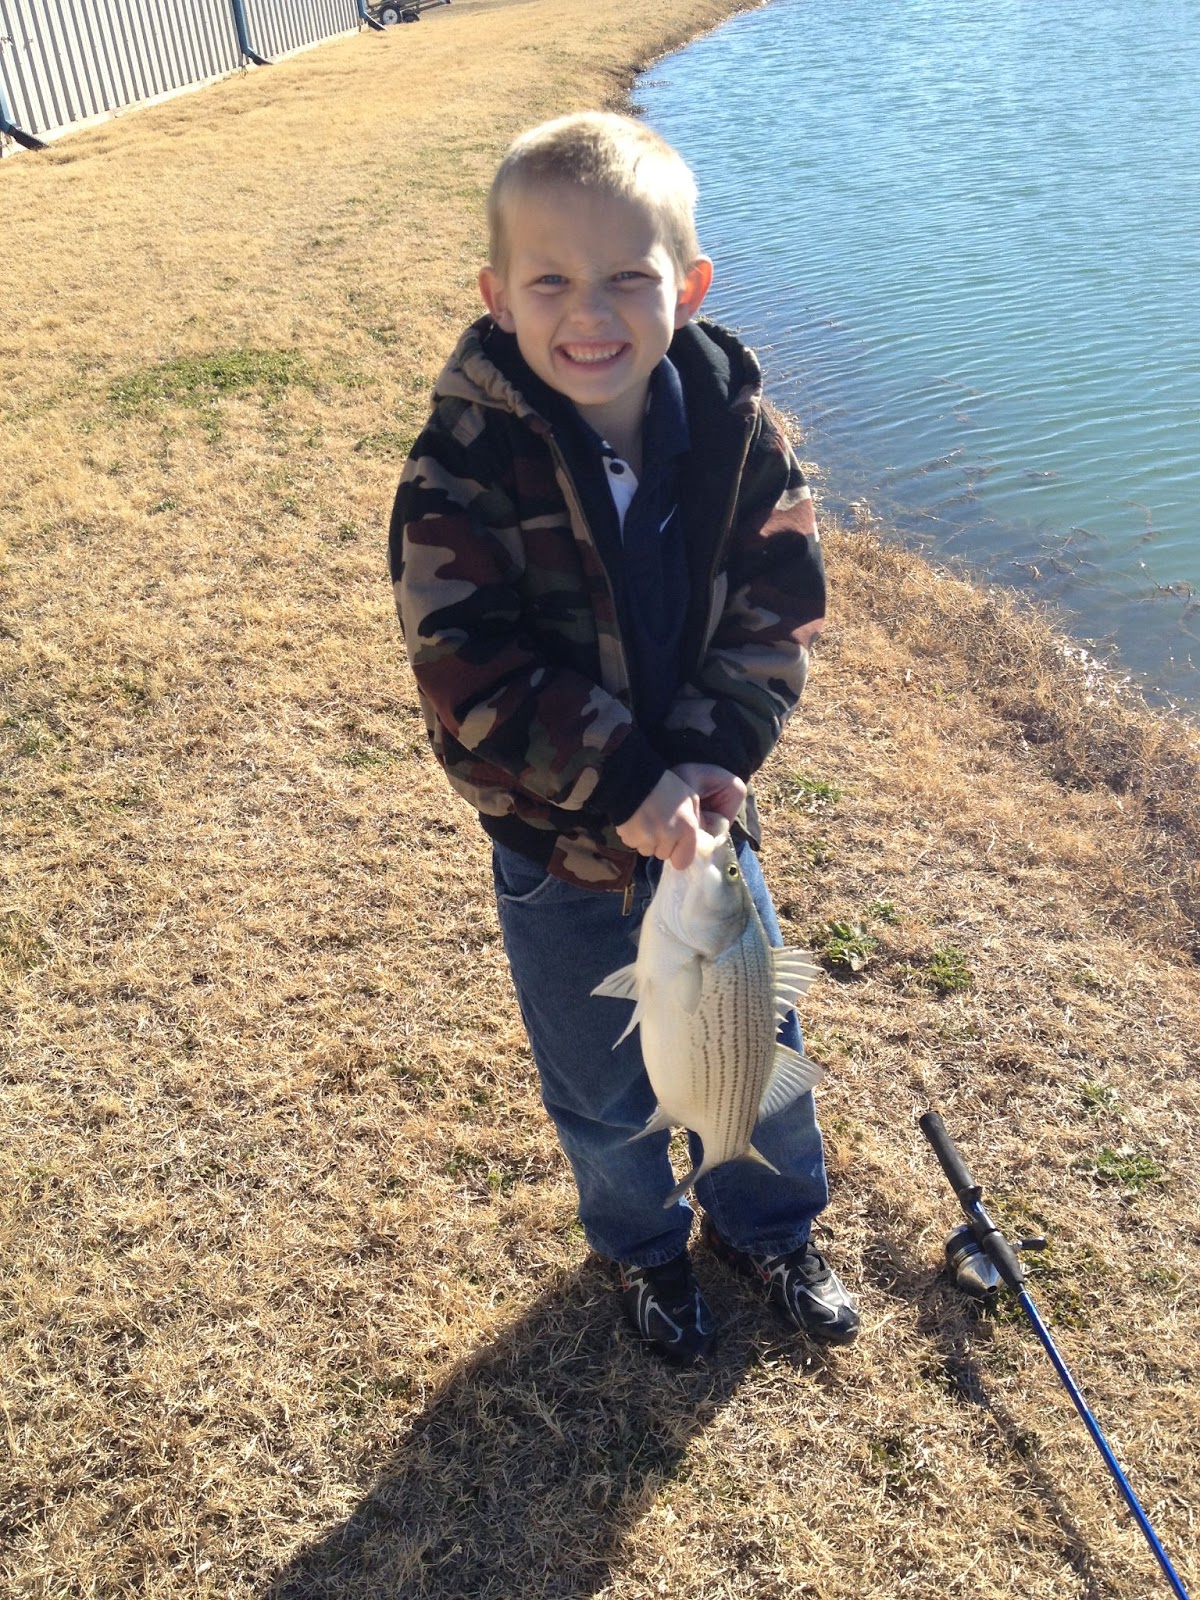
552 280
632 276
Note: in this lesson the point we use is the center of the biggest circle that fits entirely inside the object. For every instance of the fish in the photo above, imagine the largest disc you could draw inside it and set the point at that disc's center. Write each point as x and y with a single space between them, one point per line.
709 991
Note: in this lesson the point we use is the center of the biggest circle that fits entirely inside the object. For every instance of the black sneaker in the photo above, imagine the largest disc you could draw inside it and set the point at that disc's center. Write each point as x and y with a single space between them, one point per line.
801 1283
668 1310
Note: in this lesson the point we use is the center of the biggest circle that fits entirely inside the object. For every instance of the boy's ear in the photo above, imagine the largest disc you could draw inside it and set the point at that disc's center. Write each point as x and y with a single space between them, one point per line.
693 287
491 287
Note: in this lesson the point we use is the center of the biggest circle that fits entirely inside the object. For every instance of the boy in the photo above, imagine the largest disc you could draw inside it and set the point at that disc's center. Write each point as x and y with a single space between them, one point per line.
608 575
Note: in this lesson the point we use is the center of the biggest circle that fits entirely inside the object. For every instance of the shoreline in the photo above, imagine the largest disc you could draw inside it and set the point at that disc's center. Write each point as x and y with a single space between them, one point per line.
295 1299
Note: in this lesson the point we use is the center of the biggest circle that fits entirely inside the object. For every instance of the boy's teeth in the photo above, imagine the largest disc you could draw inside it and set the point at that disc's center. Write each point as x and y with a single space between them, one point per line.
592 353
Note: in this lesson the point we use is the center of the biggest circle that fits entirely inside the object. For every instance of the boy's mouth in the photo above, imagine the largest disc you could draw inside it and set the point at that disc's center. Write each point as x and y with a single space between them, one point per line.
591 355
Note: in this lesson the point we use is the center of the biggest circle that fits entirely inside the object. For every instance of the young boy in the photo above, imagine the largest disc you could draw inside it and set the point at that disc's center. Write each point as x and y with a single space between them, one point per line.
608 576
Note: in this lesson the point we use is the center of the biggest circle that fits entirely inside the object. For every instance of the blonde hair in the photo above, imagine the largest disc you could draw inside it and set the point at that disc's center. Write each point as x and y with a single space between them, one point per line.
611 154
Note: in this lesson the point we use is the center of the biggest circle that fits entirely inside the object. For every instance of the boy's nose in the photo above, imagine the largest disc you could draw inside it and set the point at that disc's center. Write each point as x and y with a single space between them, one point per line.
589 304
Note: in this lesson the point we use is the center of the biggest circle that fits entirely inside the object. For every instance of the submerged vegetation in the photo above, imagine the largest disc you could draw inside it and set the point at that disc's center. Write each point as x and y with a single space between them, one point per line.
294 1302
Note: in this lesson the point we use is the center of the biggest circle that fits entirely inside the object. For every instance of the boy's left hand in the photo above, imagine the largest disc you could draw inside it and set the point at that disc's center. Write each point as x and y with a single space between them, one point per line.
719 790
666 824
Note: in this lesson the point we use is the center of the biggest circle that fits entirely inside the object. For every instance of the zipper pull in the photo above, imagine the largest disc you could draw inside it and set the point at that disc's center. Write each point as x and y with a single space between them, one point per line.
627 901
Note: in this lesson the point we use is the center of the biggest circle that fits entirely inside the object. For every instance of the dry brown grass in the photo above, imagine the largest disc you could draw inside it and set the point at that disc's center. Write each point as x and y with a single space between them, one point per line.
293 1297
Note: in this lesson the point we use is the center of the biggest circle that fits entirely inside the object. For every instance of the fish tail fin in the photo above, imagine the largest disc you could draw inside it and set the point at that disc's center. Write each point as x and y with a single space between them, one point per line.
654 1124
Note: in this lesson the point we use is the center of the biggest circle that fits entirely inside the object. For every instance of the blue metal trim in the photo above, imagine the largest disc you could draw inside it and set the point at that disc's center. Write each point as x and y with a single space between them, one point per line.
243 33
9 127
364 16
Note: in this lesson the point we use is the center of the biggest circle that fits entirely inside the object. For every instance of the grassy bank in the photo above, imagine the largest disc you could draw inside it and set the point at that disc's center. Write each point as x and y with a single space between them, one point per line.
293 1298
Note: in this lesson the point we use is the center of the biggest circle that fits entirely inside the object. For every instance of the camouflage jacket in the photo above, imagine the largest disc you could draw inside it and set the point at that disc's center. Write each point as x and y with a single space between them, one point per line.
512 626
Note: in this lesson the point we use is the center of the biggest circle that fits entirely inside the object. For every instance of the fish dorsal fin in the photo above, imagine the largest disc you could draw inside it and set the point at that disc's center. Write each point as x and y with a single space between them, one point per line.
791 1076
794 973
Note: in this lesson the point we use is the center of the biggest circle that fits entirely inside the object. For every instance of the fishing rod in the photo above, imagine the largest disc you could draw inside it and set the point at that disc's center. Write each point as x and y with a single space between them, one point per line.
981 1259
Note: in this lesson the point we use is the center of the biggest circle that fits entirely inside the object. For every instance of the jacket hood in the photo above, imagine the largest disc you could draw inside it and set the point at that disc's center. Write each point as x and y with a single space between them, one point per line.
715 366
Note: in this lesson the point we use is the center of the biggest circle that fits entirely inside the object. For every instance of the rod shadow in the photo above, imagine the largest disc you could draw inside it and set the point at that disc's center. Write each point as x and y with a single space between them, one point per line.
526 1470
955 1325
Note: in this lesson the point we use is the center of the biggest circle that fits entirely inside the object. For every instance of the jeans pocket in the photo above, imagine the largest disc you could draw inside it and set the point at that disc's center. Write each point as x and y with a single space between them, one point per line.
519 881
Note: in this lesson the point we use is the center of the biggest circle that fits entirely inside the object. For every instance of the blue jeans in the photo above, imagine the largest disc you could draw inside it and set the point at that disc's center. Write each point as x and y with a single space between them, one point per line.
561 941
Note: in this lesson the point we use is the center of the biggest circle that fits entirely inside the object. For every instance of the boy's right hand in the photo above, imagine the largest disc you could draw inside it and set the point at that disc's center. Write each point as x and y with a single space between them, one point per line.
666 824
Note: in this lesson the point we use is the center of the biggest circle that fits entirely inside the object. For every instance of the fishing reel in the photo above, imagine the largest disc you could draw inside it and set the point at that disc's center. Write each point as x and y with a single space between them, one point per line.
968 1262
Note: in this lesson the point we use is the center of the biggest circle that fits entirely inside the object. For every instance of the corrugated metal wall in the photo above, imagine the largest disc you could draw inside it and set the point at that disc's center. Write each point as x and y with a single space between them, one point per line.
277 26
63 61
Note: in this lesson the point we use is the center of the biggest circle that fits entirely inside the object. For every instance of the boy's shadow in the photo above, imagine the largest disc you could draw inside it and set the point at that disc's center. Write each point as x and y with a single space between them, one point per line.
526 1469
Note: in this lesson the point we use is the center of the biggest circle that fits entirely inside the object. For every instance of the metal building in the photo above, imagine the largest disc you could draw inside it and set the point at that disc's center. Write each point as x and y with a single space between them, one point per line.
63 62
277 26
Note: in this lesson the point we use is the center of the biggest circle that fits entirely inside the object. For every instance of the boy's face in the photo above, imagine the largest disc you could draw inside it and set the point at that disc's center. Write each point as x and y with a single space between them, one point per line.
593 296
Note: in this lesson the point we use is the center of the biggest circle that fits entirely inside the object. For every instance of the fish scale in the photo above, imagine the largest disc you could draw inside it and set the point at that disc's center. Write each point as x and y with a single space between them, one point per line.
708 993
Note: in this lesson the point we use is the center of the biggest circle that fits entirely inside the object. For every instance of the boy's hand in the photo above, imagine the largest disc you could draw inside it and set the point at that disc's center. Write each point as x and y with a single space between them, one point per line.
667 822
718 789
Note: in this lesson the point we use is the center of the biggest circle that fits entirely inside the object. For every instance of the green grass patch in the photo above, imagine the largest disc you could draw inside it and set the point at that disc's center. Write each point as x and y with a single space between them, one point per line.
21 946
202 381
947 971
807 793
846 946
386 445
480 1170
30 736
1098 1099
364 760
883 911
1132 1169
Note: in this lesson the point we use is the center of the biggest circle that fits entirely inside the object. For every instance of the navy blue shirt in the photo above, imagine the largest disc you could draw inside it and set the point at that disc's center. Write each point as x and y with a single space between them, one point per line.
654 564
646 558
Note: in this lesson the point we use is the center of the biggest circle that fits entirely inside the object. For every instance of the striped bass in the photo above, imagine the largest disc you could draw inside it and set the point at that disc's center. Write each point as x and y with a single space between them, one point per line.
709 992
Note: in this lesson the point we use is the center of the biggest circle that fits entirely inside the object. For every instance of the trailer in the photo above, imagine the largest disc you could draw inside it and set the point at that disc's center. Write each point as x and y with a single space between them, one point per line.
394 11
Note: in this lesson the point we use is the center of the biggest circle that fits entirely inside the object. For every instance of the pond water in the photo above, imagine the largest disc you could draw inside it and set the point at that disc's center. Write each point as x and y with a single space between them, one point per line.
964 237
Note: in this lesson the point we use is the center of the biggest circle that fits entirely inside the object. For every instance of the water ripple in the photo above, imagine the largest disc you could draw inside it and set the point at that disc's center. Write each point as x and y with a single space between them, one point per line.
964 239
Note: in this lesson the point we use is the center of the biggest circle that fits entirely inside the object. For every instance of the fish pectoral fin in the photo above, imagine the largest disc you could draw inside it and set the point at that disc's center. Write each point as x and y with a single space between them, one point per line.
658 1121
622 985
791 1076
619 985
689 981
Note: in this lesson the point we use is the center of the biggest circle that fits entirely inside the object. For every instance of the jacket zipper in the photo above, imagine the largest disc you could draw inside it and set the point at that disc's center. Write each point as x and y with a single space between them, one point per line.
726 526
575 507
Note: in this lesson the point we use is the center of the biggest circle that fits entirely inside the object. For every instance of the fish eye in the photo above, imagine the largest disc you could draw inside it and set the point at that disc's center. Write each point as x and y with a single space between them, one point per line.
732 873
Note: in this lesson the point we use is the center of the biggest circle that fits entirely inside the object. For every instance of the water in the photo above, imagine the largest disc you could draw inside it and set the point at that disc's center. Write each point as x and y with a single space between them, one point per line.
964 236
